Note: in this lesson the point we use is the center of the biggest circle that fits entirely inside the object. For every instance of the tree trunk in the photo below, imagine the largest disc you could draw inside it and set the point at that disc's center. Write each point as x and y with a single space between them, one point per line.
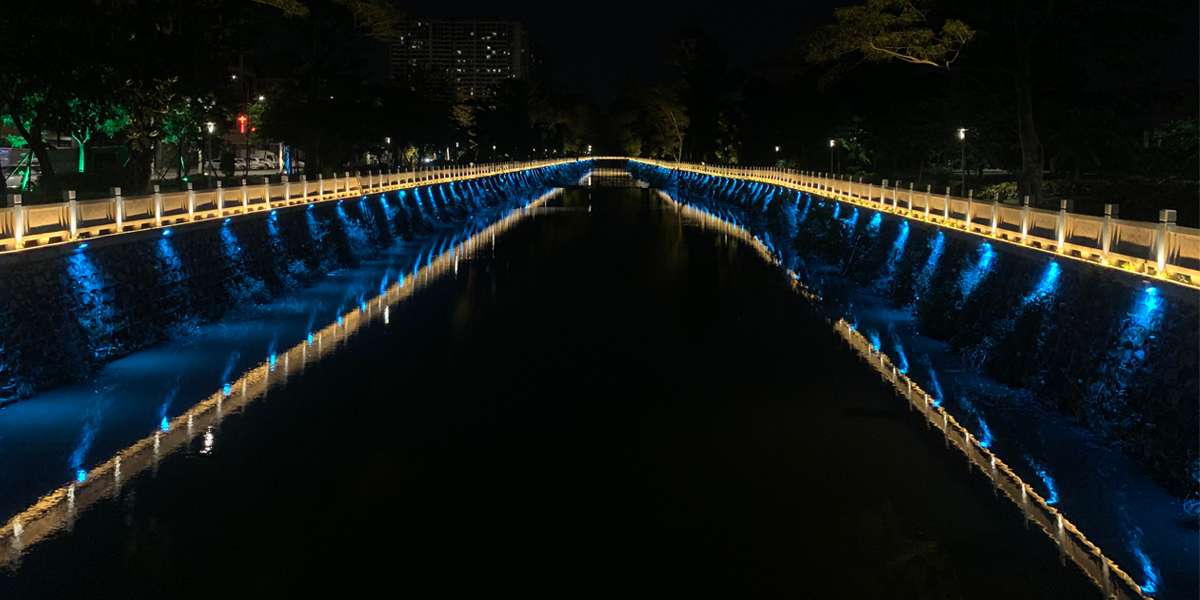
1029 179
33 137
82 142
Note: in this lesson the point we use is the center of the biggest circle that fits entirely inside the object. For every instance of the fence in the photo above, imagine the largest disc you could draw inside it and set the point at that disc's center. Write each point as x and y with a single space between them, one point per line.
58 510
31 226
1104 573
1113 582
1162 249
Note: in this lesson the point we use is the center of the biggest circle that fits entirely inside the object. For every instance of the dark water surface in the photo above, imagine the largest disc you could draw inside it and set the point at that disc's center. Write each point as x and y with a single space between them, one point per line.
614 401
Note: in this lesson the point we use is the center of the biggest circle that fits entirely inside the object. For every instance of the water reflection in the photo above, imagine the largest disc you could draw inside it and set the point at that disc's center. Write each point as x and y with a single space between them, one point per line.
56 510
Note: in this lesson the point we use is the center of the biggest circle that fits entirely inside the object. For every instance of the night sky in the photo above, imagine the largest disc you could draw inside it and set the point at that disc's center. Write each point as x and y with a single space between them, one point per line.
596 46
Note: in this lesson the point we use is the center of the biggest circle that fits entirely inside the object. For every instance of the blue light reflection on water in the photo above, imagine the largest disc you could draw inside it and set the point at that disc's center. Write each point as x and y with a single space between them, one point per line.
874 223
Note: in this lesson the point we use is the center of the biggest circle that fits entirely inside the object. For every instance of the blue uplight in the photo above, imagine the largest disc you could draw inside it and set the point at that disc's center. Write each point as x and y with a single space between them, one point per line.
164 425
1046 287
1044 475
853 220
272 360
363 306
873 225
339 320
985 434
310 339
936 246
1148 570
226 222
80 475
903 366
81 247
225 388
973 275
937 387
166 232
874 339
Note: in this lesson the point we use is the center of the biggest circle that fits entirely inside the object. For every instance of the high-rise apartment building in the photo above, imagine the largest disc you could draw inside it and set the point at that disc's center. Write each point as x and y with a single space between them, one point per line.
460 59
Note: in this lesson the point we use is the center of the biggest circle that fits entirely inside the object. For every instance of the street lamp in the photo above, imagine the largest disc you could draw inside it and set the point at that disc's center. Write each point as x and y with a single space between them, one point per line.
209 125
832 144
962 142
776 155
493 153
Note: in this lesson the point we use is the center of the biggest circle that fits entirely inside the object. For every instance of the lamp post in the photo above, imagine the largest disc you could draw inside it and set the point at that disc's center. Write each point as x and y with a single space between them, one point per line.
493 153
776 155
209 125
962 143
832 144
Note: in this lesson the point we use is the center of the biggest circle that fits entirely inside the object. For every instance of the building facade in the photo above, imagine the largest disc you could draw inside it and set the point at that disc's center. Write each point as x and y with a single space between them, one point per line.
459 60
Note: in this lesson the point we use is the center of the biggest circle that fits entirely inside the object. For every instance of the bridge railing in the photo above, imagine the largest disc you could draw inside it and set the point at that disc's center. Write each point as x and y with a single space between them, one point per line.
1162 249
31 226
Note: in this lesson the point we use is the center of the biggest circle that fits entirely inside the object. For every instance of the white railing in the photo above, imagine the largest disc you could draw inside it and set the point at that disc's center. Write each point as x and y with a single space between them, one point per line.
1113 582
1162 249
59 509
23 227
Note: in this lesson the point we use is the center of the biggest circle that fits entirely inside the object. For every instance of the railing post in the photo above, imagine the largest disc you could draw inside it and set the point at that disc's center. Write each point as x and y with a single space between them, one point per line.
883 192
1025 219
220 200
1110 213
895 199
304 186
320 185
72 212
118 206
1060 233
946 208
267 191
970 207
1166 220
348 182
869 192
158 207
18 220
910 198
335 184
191 202
928 200
245 198
287 190
995 213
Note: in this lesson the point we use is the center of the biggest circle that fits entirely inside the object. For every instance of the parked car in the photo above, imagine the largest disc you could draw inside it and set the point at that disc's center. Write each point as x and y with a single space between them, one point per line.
257 164
270 162
239 164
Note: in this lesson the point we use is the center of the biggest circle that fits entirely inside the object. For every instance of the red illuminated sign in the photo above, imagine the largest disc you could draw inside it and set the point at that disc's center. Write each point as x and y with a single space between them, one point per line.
242 120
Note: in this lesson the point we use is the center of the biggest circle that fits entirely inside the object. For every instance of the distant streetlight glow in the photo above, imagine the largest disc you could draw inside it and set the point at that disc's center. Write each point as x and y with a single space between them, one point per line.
261 98
962 144
832 145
